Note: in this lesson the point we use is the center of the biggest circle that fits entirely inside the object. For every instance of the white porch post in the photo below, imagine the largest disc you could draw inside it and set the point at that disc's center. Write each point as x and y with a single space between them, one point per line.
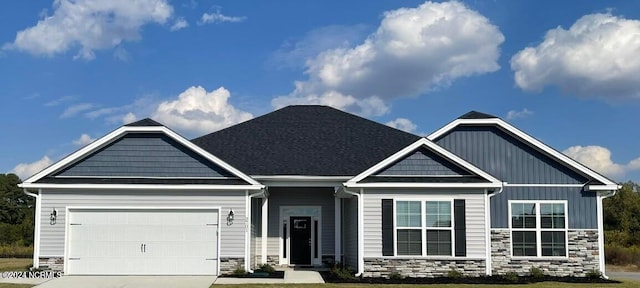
265 224
338 229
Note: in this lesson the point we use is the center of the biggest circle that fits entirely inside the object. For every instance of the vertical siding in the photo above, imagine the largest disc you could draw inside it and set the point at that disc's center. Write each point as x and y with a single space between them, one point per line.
505 157
475 217
145 155
581 205
232 236
256 230
303 196
423 162
350 231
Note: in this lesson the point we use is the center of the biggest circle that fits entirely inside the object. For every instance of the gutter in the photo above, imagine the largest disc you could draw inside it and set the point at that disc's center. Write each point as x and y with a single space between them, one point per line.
360 229
600 212
36 228
487 217
247 243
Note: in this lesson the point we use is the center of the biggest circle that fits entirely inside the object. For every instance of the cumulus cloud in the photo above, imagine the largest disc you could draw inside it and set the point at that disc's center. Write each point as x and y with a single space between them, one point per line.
413 51
515 114
179 24
596 57
89 25
26 170
83 140
129 118
218 17
197 111
598 158
75 109
403 124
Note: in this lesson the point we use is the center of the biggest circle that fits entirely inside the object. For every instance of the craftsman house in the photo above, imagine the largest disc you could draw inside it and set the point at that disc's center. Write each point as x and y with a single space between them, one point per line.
310 185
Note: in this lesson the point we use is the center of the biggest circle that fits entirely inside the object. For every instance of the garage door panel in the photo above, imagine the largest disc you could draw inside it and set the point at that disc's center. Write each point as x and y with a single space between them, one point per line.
153 242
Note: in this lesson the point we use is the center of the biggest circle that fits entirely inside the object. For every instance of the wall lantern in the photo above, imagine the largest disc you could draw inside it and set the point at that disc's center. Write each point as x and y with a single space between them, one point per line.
53 216
230 217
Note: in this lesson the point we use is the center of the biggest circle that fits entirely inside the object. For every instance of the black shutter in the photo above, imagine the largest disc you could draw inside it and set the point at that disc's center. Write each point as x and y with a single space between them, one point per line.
387 227
460 227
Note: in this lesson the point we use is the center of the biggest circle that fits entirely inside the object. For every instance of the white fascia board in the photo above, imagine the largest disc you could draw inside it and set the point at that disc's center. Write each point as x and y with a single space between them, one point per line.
528 139
433 147
143 129
301 178
142 186
421 185
604 187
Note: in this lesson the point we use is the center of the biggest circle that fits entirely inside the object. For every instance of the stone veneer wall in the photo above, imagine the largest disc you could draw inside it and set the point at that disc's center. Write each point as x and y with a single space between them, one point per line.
583 255
55 264
422 267
229 264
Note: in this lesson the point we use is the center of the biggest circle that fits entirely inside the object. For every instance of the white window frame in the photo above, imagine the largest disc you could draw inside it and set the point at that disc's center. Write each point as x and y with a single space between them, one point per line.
423 227
538 229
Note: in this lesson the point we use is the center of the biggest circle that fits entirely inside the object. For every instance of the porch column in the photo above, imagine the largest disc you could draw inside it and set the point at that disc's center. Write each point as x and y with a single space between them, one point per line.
338 228
265 224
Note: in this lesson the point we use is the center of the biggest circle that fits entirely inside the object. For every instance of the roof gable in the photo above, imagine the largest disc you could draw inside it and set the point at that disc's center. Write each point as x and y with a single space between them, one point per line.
499 135
305 140
422 162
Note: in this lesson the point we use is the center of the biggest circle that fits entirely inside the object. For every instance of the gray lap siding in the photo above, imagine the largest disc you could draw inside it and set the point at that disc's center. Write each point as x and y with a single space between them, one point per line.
52 237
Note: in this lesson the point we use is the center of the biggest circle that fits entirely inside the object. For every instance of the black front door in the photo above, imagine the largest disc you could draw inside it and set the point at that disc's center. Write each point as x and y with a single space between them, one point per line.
300 240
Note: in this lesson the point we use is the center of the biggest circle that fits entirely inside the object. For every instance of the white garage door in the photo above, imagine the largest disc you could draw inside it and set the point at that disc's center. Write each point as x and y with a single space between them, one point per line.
142 242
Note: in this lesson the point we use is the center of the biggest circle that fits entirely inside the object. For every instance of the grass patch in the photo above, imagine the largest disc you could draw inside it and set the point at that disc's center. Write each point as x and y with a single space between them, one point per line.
625 284
15 264
16 251
10 285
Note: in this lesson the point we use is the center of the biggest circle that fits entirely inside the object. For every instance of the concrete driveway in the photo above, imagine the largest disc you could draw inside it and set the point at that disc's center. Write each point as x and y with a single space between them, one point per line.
129 282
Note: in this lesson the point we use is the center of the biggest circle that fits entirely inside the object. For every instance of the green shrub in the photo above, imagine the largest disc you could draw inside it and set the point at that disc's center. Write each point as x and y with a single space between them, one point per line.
511 277
16 251
618 255
342 272
454 274
239 272
266 268
395 275
594 274
536 273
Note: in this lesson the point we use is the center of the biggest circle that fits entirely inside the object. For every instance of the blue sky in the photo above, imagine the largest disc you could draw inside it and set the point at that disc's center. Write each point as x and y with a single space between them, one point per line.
564 72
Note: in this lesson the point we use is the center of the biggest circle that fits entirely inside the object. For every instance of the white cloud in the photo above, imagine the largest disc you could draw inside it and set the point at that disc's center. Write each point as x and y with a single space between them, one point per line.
89 25
83 140
179 24
596 57
75 109
413 51
218 17
403 124
197 111
515 114
26 170
56 102
598 158
129 118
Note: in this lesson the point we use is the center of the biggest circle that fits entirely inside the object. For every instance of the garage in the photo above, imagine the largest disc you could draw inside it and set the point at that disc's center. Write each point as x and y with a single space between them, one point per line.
125 241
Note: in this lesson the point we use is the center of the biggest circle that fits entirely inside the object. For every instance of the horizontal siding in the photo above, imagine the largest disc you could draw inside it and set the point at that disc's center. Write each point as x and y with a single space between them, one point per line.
304 196
52 236
505 157
581 204
350 232
145 155
475 217
420 163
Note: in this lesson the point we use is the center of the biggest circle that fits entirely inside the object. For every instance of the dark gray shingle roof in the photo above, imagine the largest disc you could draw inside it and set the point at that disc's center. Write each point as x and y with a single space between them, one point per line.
144 122
476 115
305 140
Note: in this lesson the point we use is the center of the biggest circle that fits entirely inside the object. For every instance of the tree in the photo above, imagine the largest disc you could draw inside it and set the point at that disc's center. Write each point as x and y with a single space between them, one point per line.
622 216
14 204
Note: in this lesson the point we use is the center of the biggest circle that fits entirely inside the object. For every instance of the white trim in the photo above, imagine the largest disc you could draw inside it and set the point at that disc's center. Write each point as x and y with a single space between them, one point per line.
422 142
603 187
360 233
301 177
265 229
315 215
423 225
421 185
543 185
538 229
527 139
142 186
600 209
116 134
69 209
337 220
141 177
487 234
36 230
247 232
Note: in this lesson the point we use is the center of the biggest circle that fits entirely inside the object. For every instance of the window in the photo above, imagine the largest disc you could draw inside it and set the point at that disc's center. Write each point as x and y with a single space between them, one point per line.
538 228
424 228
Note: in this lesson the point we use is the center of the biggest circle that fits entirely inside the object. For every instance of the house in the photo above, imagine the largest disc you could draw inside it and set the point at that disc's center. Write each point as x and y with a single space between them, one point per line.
309 185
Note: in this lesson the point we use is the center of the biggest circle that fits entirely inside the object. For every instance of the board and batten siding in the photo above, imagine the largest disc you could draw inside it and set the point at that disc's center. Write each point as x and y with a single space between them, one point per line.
52 236
422 162
301 196
474 217
350 231
505 157
581 205
144 155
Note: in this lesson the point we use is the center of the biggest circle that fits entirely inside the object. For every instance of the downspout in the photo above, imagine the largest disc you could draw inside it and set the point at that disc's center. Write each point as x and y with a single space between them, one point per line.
360 230
600 214
487 217
247 225
36 229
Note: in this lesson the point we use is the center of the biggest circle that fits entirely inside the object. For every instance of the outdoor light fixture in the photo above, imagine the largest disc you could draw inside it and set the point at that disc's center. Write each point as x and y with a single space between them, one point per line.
53 216
230 217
